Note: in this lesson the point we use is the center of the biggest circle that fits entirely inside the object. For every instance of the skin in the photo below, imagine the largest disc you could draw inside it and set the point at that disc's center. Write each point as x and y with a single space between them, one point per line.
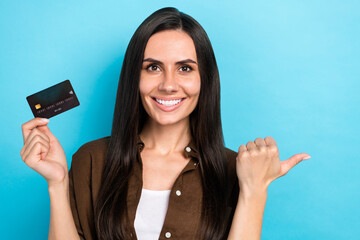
165 134
43 153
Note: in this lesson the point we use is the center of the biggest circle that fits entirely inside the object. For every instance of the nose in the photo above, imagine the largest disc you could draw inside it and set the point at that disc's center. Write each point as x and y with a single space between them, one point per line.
169 83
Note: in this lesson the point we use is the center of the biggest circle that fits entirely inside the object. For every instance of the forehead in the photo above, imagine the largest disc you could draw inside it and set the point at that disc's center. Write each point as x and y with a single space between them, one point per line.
170 45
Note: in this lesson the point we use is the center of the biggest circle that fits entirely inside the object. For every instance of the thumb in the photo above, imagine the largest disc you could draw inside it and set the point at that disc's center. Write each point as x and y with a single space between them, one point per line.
288 164
45 129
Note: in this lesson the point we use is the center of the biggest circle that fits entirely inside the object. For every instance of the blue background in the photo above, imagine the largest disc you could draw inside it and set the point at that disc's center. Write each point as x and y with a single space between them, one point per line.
289 69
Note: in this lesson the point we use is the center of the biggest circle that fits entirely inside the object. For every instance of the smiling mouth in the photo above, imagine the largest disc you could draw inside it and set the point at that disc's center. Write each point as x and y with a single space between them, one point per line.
168 103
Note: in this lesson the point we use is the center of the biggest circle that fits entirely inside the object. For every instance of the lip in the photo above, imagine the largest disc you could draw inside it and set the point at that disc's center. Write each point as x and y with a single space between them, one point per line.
168 98
168 108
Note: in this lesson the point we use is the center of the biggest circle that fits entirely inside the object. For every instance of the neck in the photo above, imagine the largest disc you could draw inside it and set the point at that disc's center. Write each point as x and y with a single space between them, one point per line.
166 139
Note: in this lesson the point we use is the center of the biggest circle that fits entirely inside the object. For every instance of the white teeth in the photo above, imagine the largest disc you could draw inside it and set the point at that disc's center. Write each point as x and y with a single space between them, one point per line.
168 103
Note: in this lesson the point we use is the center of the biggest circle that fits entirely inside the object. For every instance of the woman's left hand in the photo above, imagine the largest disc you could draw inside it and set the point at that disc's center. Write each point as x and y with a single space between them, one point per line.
258 164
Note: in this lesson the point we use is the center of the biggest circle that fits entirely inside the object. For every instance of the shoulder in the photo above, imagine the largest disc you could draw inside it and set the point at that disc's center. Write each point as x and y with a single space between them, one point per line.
95 146
231 162
233 183
84 183
230 155
90 155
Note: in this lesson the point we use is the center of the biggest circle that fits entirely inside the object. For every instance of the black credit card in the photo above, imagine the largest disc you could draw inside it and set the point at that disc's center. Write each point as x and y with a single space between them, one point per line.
53 100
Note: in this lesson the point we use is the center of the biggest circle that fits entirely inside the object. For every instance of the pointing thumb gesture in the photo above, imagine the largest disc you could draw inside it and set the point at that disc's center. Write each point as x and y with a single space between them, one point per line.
288 164
258 164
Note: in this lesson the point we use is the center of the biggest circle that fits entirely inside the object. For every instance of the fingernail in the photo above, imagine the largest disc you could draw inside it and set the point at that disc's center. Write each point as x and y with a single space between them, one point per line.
45 120
306 158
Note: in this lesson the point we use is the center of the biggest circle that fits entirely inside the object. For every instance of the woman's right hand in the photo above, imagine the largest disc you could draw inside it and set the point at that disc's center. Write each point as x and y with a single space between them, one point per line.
43 152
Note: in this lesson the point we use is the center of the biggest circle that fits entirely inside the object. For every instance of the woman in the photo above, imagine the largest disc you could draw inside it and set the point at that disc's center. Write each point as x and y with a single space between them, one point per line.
164 172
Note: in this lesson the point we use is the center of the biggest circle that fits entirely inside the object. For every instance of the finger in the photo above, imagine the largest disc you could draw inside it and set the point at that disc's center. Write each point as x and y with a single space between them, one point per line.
272 145
260 143
36 139
30 125
242 148
33 133
270 141
35 154
291 162
45 129
251 146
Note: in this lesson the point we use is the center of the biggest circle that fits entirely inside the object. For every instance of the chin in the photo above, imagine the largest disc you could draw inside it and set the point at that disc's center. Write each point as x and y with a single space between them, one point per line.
168 120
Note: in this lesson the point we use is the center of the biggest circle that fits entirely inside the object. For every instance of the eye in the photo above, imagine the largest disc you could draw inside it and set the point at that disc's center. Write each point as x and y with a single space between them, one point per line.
152 68
186 68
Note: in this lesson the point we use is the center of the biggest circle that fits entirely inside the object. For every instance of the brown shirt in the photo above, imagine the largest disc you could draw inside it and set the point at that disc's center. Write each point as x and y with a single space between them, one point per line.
185 201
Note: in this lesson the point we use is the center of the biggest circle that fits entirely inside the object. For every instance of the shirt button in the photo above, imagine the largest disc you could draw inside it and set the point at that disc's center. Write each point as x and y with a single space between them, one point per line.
168 235
178 192
188 149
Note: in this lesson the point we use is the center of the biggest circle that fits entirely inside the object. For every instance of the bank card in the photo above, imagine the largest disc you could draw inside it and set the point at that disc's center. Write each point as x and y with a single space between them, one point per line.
53 100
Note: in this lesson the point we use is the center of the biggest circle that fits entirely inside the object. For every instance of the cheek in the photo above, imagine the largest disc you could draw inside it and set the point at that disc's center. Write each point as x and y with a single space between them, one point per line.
197 89
145 87
193 88
142 86
143 90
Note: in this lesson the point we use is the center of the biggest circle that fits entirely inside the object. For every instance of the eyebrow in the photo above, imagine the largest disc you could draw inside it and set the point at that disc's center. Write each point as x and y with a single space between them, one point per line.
188 60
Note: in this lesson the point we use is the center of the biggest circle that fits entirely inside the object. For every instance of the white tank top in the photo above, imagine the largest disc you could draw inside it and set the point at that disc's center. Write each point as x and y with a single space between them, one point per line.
150 214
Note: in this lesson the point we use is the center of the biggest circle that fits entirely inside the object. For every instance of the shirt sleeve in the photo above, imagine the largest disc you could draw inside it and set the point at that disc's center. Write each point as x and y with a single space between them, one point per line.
233 188
80 194
73 206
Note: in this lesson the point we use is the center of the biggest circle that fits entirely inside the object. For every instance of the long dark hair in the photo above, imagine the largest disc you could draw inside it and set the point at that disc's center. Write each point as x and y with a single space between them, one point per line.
129 118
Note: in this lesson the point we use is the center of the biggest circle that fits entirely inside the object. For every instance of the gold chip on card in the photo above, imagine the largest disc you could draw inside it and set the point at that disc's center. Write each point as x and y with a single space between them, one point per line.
37 106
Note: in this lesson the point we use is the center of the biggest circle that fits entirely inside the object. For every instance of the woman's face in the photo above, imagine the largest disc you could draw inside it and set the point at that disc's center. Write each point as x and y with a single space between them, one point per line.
170 79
